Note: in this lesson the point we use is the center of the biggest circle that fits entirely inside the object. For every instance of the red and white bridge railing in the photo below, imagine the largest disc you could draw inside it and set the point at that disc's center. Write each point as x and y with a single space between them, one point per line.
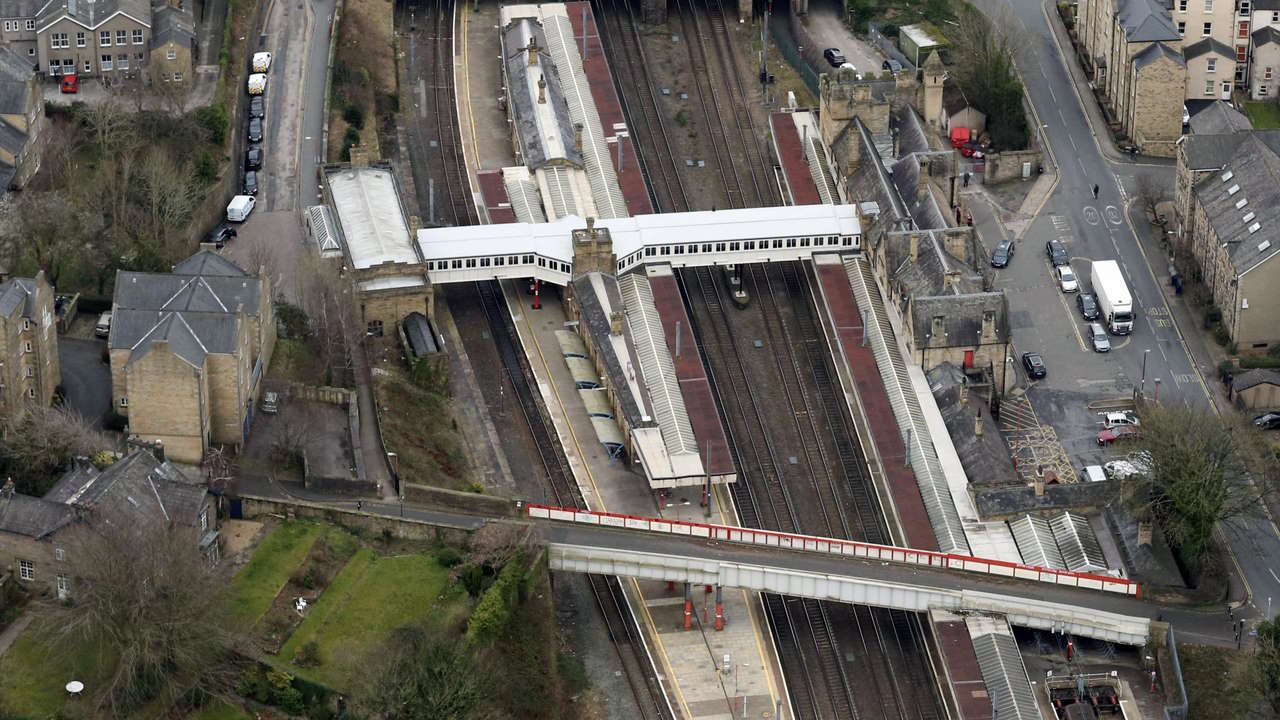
833 546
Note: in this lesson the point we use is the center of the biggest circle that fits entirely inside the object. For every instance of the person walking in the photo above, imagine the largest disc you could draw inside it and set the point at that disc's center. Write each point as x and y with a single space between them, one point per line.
1095 191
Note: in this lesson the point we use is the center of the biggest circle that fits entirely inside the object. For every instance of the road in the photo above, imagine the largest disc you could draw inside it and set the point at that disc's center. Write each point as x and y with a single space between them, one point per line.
1044 319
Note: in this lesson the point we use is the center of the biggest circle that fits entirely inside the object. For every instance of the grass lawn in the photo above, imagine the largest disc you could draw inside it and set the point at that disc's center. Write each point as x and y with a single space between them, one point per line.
1263 113
366 601
35 671
220 711
258 582
1217 682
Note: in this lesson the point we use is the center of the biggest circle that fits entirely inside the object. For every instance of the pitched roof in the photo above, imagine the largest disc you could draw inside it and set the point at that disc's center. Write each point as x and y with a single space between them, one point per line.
1242 203
20 8
961 317
15 73
1210 152
31 516
1257 376
80 474
1146 21
1216 116
140 485
11 138
985 457
953 98
92 14
191 335
1266 34
209 264
1196 49
15 293
171 24
1155 52
200 293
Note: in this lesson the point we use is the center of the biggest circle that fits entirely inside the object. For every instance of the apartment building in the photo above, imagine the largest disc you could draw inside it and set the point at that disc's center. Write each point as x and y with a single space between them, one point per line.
29 368
22 121
1211 69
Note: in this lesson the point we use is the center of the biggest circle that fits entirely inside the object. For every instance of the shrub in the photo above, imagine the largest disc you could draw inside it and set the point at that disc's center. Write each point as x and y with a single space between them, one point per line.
352 137
308 655
213 120
1226 370
472 578
1212 314
354 115
1220 334
1249 362
475 487
206 168
448 556
289 700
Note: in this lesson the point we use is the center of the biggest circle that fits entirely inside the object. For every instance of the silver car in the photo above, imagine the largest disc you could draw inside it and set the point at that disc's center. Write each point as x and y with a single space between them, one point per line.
1098 336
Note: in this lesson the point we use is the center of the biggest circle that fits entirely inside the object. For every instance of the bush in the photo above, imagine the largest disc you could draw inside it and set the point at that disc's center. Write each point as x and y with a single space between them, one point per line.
448 556
491 615
1249 362
308 655
1220 334
206 168
475 487
354 115
472 578
289 700
1212 314
293 318
352 137
213 120
306 578
1226 370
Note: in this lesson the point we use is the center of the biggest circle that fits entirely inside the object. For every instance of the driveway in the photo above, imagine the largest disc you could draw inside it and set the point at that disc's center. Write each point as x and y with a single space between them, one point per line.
826 28
86 380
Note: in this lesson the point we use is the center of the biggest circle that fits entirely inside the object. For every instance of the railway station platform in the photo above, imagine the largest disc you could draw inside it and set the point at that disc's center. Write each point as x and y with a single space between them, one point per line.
690 661
806 164
493 197
961 674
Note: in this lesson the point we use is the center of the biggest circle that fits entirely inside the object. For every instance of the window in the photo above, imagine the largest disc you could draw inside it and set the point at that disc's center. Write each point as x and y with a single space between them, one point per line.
27 347
124 401
1266 73
31 392
31 25
88 66
80 39
1208 87
720 247
106 62
500 260
1242 53
706 247
1244 7
177 77
26 324
484 262
1275 17
31 52
1242 30
1208 28
104 38
122 62
375 328
26 570
170 54
1182 5
1262 91
804 241
471 262
10 26
137 37
1208 5
138 57
123 35
63 587
59 554
1182 27
204 519
1212 65
1226 88
58 40
31 372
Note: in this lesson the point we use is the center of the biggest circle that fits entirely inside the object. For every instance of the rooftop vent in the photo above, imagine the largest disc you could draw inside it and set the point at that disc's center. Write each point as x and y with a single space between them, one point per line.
1247 216
1241 203
1254 228
1233 189
1227 175
1262 246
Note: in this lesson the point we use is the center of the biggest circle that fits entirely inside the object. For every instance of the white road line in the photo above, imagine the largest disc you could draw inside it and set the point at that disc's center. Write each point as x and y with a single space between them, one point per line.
1073 143
1273 574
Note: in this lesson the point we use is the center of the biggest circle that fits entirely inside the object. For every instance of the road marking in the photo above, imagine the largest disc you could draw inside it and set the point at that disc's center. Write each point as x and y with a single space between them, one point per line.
1091 215
1123 343
1273 574
1062 299
1113 215
1073 143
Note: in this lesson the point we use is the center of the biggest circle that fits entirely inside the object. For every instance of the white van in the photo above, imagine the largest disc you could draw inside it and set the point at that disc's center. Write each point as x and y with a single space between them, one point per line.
239 208
261 62
257 84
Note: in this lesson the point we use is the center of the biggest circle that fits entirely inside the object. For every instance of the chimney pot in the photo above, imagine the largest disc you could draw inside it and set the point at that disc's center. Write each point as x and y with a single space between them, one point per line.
542 91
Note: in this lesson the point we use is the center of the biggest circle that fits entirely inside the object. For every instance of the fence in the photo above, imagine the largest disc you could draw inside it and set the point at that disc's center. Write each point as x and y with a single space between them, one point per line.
887 47
790 36
832 546
1179 711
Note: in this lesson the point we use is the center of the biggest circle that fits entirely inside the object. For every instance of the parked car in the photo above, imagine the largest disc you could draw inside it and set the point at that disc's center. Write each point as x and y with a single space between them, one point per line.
1123 432
239 208
1034 364
103 328
1268 421
892 66
851 66
257 107
251 182
834 57
1057 254
1088 306
1098 336
253 157
1124 418
270 402
221 235
1003 253
70 84
1125 469
1067 279
255 130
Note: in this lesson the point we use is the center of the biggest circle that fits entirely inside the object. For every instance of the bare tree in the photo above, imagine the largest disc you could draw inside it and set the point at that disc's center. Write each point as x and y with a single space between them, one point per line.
292 434
173 95
1150 193
166 199
45 231
145 595
110 126
495 543
35 446
420 673
984 51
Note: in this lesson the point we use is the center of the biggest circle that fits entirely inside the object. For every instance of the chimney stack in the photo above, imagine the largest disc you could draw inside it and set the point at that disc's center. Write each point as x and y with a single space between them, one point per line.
615 323
542 91
1039 481
414 224
915 247
577 136
591 226
977 423
532 49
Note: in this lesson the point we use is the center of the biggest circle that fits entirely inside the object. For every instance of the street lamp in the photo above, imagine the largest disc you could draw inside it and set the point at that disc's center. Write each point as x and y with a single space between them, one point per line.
1145 353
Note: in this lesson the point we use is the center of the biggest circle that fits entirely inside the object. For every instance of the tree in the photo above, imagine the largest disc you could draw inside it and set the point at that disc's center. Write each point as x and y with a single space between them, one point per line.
1264 669
422 674
35 446
984 52
1202 469
291 434
44 231
1150 193
144 594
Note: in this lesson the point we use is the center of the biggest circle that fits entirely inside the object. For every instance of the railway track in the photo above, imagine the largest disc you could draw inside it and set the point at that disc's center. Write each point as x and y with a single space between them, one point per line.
623 629
444 105
621 38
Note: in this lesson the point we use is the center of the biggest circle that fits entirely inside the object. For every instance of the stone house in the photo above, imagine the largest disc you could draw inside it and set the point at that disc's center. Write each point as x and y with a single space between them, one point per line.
1197 20
1229 210
958 113
173 43
1264 75
29 368
1253 16
18 27
188 350
38 535
1211 69
22 121
1215 117
1257 389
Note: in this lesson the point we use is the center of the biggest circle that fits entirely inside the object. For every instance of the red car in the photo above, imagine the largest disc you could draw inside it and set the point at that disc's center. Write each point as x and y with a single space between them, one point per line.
1120 432
70 84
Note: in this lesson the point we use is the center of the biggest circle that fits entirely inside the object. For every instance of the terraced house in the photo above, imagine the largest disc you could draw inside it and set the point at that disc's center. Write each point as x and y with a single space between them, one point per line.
101 38
29 368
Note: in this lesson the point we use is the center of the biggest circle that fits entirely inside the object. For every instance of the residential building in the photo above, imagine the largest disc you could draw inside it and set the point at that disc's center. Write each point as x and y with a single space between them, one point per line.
173 43
18 26
1255 47
1197 20
1215 117
1211 69
188 350
38 535
22 121
1257 389
1227 219
1264 74
29 368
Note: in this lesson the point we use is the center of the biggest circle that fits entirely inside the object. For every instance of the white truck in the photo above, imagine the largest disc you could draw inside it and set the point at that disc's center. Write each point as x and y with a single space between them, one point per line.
1113 297
257 84
239 208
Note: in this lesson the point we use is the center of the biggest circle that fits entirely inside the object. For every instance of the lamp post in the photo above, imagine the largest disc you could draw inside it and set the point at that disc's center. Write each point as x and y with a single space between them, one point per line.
1143 389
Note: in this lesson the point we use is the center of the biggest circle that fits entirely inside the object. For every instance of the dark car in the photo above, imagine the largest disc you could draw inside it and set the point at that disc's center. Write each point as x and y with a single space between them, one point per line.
1034 365
220 235
892 66
253 157
1268 421
1088 306
251 183
1003 253
834 57
1057 254
257 107
255 130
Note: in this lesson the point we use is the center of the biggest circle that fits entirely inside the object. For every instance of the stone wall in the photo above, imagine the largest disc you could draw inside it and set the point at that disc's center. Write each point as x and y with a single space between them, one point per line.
464 502
1007 165
1158 92
405 528
1001 502
164 395
20 547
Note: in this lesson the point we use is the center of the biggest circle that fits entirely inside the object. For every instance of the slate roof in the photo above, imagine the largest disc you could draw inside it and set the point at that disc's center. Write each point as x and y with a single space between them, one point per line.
1255 177
1266 34
1154 52
170 24
961 317
1257 376
1204 152
985 457
191 335
11 138
17 292
1146 21
31 516
953 98
200 293
421 337
15 72
209 264
93 14
20 8
81 473
926 275
533 130
1196 49
140 485
1216 116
